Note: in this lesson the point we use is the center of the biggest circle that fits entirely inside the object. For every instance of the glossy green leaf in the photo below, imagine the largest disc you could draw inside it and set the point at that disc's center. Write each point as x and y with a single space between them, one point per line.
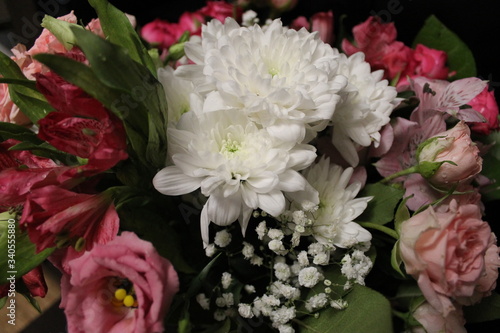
23 250
354 319
381 208
119 31
396 260
23 82
436 35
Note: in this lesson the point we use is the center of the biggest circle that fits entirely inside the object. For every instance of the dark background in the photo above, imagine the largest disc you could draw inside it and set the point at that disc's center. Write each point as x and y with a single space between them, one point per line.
475 22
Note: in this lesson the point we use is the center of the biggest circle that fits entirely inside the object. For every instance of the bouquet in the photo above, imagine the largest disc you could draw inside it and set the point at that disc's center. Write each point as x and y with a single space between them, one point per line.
239 171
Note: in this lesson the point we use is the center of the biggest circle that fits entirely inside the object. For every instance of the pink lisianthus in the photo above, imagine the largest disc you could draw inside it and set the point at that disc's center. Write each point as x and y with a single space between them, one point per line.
454 145
434 322
486 104
127 262
447 254
57 217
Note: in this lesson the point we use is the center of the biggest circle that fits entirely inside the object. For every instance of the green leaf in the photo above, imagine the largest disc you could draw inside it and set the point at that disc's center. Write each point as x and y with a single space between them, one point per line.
381 208
24 252
402 214
31 102
367 311
396 260
61 30
23 82
119 31
13 131
491 161
488 309
436 35
3 301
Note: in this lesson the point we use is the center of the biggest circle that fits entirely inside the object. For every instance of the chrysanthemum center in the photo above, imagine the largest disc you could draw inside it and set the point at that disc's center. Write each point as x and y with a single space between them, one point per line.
273 71
229 146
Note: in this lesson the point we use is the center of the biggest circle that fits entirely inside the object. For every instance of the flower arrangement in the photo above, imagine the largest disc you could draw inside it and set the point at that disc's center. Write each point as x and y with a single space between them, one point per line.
233 172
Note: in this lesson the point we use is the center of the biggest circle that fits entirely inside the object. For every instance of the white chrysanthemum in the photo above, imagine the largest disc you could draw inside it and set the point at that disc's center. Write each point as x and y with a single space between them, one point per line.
177 93
333 221
367 102
281 78
237 166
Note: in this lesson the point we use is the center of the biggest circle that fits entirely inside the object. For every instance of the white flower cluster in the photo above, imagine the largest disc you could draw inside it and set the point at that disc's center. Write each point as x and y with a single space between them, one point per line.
243 112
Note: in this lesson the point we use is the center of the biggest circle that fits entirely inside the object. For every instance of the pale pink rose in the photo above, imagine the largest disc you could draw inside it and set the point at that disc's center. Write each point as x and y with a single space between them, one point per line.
453 145
486 104
446 253
434 322
323 23
488 280
127 262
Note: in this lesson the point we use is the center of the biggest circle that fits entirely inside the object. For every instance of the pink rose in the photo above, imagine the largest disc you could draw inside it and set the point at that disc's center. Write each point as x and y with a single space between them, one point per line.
160 33
486 104
57 217
371 37
397 60
434 322
453 145
430 63
191 22
446 253
323 23
219 10
90 298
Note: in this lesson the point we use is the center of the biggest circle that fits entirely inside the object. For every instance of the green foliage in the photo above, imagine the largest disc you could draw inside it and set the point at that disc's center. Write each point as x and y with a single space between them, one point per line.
24 256
381 208
31 102
491 161
488 309
354 319
436 35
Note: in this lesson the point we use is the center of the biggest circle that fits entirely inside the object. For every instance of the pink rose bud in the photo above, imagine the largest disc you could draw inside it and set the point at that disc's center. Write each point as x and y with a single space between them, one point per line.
449 157
451 255
323 23
160 33
433 321
486 104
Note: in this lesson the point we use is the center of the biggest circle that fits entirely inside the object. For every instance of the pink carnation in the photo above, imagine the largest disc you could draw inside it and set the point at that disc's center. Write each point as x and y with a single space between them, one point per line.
129 263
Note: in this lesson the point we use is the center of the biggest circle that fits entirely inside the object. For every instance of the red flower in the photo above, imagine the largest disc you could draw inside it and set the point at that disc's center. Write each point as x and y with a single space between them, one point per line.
33 280
57 217
486 104
81 125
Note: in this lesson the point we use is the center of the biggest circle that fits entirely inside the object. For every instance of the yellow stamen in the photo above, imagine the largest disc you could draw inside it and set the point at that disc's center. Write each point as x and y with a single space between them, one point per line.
120 294
128 301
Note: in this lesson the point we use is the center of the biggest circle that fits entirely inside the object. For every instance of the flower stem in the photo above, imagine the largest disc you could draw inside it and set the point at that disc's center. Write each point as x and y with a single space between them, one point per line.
388 231
410 170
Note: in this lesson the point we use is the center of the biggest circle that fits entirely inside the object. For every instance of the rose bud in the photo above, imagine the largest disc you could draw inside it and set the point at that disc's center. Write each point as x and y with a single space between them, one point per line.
485 104
449 157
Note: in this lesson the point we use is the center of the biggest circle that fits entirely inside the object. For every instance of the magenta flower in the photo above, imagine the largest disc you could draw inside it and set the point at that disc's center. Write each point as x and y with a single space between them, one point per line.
122 286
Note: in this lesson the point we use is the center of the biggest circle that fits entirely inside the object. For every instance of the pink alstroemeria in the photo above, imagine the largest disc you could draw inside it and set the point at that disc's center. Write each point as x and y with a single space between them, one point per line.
89 294
57 217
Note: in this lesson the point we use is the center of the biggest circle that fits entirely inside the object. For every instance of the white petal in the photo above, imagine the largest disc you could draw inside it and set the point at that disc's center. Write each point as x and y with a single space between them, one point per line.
292 181
224 211
272 202
171 181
